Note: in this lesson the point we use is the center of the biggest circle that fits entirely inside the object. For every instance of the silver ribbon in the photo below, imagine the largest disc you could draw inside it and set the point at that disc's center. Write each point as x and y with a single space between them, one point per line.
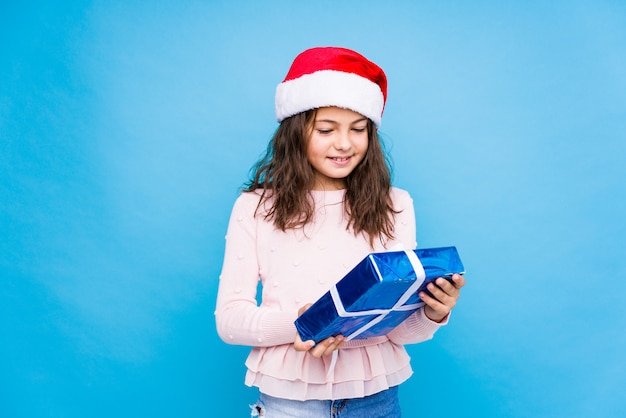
382 313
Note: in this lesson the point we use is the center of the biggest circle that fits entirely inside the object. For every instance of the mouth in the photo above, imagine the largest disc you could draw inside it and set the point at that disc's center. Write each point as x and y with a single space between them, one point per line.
340 160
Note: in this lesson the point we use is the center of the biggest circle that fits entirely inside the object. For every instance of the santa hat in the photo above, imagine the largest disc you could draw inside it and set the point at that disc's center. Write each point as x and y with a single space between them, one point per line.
331 76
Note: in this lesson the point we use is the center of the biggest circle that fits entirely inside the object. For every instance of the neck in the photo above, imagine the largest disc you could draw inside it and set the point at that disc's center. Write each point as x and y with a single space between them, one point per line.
339 184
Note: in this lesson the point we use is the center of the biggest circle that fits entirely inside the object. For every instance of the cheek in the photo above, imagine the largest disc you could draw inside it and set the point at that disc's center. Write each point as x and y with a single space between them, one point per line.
311 150
362 145
317 146
310 146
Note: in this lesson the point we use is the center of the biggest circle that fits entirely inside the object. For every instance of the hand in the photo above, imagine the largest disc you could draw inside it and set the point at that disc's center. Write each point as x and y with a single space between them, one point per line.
320 349
445 294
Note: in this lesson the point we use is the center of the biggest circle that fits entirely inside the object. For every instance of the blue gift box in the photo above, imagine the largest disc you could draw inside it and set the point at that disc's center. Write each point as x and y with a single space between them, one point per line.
377 294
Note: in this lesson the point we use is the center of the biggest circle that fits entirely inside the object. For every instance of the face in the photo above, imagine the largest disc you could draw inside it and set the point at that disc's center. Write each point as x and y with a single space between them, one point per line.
338 142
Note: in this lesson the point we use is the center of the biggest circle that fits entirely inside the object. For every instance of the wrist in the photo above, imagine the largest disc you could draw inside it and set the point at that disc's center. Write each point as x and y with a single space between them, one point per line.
433 315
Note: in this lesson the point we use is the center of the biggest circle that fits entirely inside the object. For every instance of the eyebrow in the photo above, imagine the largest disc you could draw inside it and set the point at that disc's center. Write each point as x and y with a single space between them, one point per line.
335 122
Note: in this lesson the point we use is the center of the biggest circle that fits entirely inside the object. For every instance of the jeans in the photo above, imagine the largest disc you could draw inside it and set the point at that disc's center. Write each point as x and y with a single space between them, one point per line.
384 404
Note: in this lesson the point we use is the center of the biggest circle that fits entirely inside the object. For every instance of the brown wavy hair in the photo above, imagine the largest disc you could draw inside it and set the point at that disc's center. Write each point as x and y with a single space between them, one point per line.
285 175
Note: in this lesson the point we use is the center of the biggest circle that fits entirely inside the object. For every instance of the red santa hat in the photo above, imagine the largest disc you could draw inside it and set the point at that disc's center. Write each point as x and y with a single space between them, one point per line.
331 76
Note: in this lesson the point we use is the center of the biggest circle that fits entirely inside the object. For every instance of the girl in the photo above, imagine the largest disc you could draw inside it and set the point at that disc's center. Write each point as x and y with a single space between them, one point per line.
317 203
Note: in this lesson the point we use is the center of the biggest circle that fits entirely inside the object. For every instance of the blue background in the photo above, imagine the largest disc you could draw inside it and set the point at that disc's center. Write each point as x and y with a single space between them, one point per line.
126 129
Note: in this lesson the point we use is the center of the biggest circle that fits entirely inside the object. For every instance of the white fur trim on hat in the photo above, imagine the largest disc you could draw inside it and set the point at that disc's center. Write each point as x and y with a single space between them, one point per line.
330 88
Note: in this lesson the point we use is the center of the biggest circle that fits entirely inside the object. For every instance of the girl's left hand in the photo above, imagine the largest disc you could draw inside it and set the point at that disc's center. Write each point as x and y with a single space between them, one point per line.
445 294
320 349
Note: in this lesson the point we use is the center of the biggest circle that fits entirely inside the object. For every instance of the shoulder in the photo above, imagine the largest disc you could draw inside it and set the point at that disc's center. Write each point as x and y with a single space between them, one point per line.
249 198
253 203
400 198
246 203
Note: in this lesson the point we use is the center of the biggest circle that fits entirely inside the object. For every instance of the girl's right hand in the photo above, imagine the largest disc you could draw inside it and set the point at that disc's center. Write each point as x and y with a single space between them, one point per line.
320 349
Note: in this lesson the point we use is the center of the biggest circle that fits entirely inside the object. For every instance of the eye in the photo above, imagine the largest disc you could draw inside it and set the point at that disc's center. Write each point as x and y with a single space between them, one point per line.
359 130
324 131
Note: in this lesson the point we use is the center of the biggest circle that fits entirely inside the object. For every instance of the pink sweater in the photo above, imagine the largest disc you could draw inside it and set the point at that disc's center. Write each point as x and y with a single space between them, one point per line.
297 267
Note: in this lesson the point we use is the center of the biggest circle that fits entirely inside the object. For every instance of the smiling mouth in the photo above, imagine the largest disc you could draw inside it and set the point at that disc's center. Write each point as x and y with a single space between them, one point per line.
340 159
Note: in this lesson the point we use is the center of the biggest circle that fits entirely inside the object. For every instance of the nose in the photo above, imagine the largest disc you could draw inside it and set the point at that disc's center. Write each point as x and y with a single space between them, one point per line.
342 140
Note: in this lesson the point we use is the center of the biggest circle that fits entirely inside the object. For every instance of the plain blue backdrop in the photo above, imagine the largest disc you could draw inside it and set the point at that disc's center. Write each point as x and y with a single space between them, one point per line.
127 127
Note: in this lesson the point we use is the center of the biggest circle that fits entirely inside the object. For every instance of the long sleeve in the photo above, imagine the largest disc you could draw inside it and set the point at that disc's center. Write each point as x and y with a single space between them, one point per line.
416 328
239 319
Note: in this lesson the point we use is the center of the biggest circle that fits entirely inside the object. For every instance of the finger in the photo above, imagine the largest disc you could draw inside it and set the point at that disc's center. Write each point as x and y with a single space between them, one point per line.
441 285
319 350
304 308
434 309
304 345
449 285
440 301
450 288
432 302
331 344
300 345
442 290
327 346
458 280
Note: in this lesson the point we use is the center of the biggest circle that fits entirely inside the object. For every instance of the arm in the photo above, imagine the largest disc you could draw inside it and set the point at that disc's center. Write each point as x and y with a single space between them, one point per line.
422 325
239 319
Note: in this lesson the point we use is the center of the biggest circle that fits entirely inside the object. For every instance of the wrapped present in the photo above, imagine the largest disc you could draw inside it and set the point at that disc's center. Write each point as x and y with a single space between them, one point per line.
377 294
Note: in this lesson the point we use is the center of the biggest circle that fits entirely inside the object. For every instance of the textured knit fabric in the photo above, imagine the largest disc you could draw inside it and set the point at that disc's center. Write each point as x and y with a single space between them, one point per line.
296 267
